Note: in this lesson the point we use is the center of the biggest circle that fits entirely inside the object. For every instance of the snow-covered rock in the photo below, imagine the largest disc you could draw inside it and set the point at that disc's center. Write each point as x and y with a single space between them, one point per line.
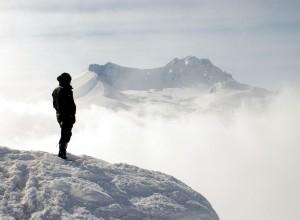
39 185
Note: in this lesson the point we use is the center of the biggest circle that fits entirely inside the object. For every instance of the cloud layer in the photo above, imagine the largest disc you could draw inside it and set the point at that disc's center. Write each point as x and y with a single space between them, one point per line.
245 163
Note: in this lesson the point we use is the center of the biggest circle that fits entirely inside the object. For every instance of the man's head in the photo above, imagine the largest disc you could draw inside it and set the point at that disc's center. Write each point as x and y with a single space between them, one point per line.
64 79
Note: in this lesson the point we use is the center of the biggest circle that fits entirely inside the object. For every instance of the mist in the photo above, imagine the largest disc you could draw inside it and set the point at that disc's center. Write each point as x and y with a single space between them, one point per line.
245 161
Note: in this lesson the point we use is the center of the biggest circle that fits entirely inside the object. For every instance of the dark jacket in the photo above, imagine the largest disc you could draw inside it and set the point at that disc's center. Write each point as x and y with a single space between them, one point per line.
64 104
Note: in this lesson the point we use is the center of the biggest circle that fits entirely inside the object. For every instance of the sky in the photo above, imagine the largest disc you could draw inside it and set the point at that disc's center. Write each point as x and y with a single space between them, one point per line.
255 41
246 167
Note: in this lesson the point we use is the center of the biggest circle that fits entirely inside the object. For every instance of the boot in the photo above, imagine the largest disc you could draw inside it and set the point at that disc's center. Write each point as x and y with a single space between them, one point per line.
62 151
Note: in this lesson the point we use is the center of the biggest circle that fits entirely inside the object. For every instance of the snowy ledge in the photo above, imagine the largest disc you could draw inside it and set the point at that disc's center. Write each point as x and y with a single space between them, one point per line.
39 185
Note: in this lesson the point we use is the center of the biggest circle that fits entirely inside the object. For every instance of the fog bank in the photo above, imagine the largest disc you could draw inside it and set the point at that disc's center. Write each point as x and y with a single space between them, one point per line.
245 162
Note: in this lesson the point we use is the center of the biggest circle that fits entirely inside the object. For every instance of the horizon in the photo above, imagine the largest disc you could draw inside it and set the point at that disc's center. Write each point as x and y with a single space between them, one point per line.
39 83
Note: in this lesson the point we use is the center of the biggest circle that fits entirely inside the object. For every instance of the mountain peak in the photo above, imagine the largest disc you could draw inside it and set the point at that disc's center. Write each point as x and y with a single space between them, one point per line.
191 60
39 185
185 72
110 64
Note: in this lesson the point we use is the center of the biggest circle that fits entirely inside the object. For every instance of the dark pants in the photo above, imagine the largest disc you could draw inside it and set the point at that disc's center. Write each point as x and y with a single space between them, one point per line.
65 135
66 131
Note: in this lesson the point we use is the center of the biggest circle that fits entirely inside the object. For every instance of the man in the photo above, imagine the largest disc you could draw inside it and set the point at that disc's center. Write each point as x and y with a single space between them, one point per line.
65 107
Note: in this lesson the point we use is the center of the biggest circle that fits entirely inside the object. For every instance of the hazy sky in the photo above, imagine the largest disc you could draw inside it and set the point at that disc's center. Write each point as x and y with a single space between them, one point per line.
256 41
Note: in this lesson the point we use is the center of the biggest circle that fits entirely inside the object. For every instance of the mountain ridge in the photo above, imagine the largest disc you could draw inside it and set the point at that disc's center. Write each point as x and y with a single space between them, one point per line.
198 80
185 72
205 85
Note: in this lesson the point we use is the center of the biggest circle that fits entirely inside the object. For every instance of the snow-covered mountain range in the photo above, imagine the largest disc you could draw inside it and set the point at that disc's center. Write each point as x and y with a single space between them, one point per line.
39 185
179 73
182 82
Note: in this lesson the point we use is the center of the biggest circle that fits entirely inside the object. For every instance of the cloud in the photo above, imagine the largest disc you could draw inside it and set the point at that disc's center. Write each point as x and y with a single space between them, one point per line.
77 18
246 162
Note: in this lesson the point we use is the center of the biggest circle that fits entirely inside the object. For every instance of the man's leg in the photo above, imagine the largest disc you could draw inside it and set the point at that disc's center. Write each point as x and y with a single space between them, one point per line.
66 133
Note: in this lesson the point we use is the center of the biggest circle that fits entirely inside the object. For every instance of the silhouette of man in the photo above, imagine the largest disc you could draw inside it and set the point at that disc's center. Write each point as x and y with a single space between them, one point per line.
65 107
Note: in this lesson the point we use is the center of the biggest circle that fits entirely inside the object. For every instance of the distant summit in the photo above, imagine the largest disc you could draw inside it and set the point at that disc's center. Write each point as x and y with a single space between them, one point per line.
181 84
191 60
188 84
178 73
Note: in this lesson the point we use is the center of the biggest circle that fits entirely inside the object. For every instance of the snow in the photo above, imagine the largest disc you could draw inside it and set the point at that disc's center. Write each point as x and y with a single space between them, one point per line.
39 185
